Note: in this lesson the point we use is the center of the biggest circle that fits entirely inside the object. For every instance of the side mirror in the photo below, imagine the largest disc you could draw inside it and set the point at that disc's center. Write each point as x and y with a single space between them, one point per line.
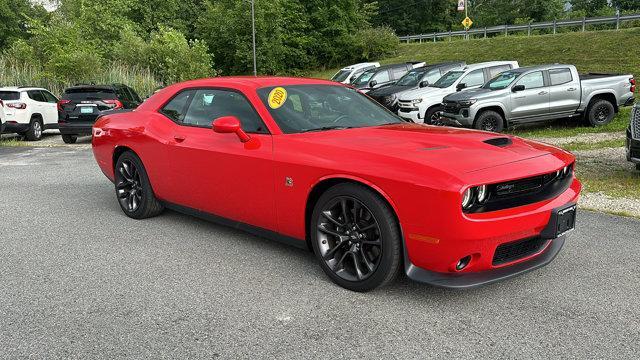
424 83
461 86
518 88
230 125
373 83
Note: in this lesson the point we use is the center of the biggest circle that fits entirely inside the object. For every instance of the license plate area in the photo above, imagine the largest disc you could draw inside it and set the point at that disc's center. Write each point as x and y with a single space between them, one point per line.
86 109
566 220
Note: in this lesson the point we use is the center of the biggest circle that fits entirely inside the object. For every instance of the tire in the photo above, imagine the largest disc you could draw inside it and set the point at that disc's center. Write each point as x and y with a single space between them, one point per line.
358 257
431 117
133 189
489 121
69 139
600 112
35 130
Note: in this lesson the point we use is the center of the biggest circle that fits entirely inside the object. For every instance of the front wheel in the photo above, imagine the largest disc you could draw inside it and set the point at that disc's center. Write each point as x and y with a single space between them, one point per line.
490 121
355 237
432 116
600 112
133 189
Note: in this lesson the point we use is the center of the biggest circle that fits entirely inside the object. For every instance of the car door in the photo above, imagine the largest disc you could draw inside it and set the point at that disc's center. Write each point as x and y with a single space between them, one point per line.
50 112
533 101
38 103
381 77
217 173
564 91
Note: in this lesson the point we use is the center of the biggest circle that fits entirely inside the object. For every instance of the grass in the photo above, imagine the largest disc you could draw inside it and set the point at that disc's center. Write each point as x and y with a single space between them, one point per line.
581 146
618 183
13 143
573 127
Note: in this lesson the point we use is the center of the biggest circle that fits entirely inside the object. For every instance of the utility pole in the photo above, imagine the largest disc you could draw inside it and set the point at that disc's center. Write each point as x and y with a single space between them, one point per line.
253 35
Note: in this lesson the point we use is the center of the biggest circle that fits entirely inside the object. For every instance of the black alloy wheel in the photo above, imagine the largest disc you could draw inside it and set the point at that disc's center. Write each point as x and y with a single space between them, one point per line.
355 237
133 189
601 112
490 121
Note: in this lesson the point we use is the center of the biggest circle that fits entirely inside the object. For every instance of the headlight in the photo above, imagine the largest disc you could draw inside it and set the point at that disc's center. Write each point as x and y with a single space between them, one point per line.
475 195
467 198
416 101
389 99
467 103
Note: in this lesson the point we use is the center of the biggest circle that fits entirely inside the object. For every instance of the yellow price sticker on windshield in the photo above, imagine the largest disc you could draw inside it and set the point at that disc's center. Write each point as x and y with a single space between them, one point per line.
277 97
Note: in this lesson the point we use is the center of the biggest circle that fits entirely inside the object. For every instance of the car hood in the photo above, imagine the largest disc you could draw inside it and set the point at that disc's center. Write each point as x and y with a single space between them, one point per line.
390 90
424 92
456 151
471 94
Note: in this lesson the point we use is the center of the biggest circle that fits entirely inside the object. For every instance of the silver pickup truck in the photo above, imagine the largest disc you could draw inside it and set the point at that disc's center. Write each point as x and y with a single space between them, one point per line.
533 94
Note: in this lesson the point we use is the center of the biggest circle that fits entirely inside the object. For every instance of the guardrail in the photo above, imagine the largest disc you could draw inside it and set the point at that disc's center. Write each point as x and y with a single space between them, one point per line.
506 29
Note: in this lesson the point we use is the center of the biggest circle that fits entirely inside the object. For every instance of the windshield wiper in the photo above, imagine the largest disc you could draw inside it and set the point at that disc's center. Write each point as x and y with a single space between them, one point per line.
324 128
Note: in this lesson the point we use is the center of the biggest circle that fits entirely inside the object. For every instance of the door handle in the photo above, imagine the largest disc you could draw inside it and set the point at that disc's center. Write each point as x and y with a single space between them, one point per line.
572 89
542 93
178 138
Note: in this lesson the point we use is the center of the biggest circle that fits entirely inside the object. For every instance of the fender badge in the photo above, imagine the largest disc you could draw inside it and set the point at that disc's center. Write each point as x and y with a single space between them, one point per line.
288 181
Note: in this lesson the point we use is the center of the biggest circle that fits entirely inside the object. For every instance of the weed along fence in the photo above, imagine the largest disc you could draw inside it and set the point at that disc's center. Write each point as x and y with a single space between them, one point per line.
528 28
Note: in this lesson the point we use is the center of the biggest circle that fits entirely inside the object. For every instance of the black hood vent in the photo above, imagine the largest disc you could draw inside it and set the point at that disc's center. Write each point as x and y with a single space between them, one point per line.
499 141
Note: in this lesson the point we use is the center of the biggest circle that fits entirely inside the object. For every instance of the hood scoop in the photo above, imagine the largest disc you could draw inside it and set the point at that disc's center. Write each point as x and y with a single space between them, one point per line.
499 141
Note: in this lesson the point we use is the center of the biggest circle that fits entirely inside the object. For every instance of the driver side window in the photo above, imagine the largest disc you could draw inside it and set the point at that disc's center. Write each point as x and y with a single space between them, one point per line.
532 80
381 77
474 78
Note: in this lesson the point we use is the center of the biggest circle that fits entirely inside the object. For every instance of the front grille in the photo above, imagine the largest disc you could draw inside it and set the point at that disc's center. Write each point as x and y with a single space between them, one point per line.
635 122
451 107
525 191
516 250
634 153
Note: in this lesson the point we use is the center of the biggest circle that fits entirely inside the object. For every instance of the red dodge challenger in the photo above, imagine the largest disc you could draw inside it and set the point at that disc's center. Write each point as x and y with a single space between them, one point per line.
320 165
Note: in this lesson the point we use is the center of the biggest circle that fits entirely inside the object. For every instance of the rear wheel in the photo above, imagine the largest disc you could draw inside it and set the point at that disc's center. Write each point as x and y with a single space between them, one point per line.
356 237
489 121
35 130
600 112
133 189
69 139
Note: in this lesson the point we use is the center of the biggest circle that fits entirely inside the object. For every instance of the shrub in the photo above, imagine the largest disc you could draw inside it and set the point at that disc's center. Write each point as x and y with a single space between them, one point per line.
374 43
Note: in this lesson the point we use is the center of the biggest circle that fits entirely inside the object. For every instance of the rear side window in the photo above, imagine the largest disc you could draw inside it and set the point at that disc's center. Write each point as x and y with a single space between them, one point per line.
80 94
176 109
123 94
560 76
495 70
9 95
36 95
474 78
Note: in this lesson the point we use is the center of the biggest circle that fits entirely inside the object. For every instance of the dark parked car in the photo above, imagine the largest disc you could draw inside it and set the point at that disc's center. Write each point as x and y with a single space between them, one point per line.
633 137
416 78
383 75
81 105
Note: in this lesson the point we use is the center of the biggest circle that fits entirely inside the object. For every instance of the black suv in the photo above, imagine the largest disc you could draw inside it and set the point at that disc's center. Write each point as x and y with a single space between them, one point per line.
416 78
633 137
383 75
81 105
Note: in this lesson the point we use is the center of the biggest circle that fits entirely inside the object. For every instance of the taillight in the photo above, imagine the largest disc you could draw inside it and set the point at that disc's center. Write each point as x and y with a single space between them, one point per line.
62 103
116 104
633 85
18 105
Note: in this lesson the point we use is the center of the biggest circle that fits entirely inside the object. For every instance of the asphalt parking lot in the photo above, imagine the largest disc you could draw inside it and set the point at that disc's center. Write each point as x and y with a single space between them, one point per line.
78 279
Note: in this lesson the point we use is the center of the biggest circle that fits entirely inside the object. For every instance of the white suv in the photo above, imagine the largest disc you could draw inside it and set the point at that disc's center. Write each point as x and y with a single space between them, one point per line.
424 105
347 74
29 111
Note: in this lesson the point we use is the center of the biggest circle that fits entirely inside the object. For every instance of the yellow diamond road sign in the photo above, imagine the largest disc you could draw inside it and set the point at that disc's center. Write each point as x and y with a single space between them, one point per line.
467 22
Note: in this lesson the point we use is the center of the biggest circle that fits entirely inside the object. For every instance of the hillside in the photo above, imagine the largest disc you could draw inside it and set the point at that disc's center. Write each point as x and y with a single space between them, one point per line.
593 51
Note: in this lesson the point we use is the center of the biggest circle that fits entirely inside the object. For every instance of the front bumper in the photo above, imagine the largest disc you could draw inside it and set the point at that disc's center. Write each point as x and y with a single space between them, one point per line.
633 148
462 119
412 115
473 279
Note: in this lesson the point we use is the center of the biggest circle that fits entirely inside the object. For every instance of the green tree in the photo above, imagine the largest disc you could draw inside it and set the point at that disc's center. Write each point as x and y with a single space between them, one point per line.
14 17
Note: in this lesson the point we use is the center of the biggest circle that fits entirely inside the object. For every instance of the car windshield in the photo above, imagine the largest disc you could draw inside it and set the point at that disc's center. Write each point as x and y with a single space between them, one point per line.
364 78
502 80
9 95
341 75
304 108
448 79
412 78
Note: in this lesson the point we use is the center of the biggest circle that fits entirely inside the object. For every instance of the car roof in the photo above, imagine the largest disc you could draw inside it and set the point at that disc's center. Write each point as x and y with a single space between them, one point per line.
360 65
487 64
541 67
20 88
255 82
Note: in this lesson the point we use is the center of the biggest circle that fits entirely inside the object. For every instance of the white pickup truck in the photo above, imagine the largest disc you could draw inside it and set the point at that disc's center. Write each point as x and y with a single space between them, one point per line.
424 105
539 93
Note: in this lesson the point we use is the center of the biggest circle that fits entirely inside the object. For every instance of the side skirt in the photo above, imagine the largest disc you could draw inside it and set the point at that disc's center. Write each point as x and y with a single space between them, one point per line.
255 230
